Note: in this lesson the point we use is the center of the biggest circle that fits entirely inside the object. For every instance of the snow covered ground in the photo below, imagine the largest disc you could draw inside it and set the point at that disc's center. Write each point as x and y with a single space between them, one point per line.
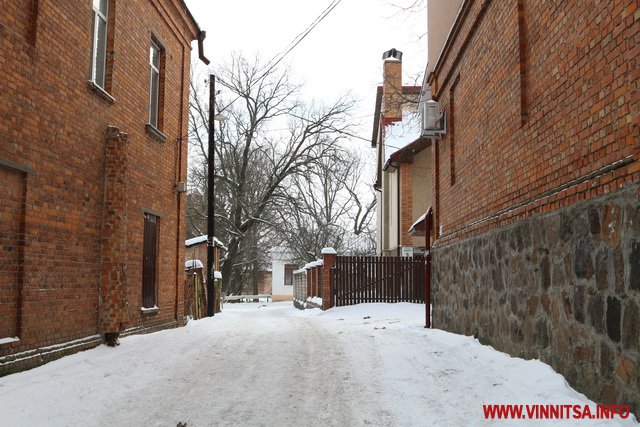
272 365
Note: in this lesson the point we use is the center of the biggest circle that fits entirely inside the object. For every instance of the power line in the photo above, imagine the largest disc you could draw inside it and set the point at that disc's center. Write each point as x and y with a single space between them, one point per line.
297 39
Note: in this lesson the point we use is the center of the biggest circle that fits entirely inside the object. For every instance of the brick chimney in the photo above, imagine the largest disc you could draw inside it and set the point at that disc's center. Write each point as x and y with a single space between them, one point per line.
392 85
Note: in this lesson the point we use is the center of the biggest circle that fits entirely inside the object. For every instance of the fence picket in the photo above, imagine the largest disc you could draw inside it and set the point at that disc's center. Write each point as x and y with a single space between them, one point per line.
365 279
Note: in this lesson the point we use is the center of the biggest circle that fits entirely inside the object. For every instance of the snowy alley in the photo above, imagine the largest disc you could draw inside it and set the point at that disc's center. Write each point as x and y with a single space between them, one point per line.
272 365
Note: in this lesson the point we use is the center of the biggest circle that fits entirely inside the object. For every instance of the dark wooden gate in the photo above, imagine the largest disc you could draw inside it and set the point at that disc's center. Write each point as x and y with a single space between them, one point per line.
149 260
367 279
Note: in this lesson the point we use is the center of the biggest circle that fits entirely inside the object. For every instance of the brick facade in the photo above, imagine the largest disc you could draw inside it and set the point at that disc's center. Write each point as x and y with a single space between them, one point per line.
396 138
540 129
82 169
406 203
542 126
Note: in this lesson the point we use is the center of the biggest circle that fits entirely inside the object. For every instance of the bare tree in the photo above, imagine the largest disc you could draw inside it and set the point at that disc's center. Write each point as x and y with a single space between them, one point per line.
270 140
325 208
409 9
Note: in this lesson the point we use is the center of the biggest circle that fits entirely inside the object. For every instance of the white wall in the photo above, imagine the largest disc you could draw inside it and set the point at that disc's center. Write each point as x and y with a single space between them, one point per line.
440 17
280 257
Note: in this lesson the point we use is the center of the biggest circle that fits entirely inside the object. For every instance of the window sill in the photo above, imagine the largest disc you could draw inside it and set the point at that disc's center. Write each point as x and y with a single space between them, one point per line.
155 133
101 92
148 311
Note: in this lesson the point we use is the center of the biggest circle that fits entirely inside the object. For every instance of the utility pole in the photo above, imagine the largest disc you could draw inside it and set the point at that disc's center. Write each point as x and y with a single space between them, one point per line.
211 197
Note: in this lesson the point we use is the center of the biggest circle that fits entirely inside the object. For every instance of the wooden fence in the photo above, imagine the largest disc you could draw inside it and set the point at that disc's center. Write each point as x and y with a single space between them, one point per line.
195 294
356 280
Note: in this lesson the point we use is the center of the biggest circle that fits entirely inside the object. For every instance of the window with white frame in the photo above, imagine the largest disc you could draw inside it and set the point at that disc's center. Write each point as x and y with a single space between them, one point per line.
99 51
154 82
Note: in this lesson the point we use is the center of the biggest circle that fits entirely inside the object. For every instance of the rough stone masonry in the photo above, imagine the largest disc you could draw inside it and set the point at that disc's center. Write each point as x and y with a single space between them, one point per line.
563 287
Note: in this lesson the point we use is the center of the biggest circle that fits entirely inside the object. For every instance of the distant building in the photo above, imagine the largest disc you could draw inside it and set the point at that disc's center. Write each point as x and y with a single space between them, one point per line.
282 268
403 180
537 184
93 161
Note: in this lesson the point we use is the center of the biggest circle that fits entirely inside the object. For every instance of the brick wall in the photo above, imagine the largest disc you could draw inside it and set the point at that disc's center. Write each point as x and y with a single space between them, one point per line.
199 251
547 96
264 282
406 203
541 157
53 128
11 244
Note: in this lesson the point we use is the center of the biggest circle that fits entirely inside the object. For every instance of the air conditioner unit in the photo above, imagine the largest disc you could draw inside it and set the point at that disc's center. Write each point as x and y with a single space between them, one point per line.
434 120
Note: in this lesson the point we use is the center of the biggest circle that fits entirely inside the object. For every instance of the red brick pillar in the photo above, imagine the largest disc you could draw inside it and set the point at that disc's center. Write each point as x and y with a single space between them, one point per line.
329 258
113 281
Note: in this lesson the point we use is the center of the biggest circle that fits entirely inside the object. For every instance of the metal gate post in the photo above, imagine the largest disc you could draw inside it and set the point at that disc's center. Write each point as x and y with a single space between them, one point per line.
428 219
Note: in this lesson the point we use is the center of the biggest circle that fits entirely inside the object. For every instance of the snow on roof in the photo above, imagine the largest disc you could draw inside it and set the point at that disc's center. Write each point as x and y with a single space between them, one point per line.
280 250
413 230
402 133
217 275
419 220
201 239
193 263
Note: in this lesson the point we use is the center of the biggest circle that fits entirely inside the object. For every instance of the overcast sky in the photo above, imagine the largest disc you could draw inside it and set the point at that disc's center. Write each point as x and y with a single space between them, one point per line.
343 53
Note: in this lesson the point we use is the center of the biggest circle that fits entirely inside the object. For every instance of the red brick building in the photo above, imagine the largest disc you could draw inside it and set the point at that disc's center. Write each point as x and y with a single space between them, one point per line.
403 161
537 184
93 153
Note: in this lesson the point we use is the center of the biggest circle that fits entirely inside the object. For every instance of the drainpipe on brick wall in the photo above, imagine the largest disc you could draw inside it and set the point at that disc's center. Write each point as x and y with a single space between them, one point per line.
399 238
428 222
178 193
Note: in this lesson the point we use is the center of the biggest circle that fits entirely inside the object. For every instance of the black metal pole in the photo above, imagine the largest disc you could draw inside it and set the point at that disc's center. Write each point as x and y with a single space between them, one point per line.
210 196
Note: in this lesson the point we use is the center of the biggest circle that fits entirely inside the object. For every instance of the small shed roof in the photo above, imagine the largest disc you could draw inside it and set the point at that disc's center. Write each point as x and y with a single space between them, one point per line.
203 239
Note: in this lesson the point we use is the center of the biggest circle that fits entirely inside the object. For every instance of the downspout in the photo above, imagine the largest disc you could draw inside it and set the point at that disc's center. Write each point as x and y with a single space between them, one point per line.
178 193
427 259
201 36
399 207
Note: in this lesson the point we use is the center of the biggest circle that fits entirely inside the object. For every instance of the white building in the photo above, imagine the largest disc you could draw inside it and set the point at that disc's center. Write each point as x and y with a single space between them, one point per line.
282 268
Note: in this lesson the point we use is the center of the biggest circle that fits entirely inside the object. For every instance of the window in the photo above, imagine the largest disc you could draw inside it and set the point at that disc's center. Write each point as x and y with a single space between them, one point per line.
149 260
155 85
99 51
288 274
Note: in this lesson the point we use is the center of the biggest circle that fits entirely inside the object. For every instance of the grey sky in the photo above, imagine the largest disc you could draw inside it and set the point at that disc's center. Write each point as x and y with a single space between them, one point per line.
343 53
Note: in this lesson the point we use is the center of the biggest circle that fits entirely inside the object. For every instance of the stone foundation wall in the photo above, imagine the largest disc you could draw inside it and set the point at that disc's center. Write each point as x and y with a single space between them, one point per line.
16 362
563 288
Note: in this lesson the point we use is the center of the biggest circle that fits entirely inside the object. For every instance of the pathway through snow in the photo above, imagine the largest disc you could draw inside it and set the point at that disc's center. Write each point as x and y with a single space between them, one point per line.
257 365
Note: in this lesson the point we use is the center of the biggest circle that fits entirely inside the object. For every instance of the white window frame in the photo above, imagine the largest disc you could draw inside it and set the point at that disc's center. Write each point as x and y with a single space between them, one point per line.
98 17
154 102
